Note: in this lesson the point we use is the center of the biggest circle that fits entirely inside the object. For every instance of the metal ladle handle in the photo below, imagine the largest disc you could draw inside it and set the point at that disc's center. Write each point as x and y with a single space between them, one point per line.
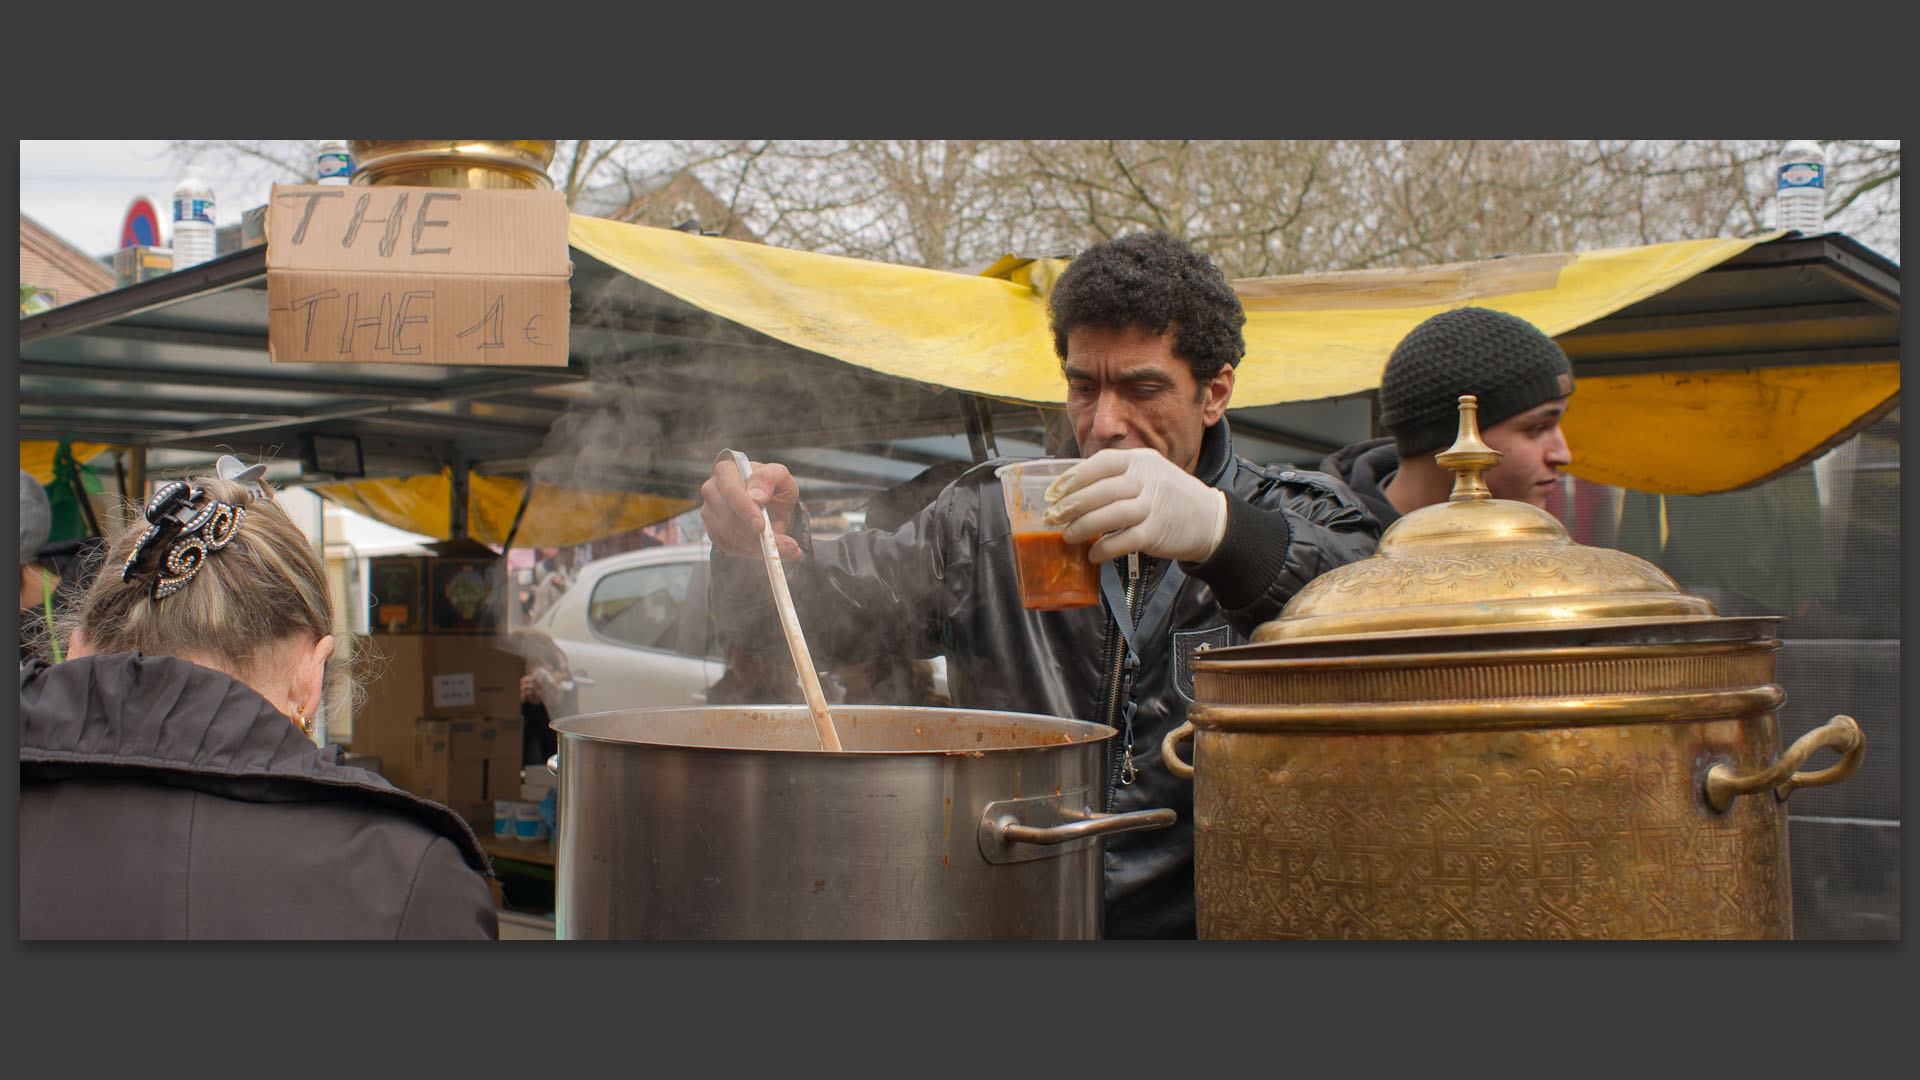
790 623
1841 734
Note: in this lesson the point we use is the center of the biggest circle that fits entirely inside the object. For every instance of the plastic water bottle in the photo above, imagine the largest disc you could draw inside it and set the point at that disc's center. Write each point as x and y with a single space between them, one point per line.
1800 187
335 165
192 223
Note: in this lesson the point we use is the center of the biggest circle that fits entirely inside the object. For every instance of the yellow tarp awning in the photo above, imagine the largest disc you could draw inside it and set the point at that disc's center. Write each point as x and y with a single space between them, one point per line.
1324 335
982 335
36 456
1704 432
554 517
1309 336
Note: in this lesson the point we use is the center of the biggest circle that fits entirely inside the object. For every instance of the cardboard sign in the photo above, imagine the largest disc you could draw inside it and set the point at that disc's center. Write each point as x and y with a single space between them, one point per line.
410 275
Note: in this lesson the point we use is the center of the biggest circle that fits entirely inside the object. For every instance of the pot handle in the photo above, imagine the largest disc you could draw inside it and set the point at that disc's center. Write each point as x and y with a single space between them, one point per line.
1097 825
1171 756
1841 734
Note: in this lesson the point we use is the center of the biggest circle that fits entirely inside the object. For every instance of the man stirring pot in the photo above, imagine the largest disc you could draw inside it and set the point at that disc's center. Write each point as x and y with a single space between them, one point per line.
1199 546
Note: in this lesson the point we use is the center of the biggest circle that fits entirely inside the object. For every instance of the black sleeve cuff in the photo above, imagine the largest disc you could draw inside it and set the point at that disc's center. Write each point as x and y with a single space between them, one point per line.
1251 556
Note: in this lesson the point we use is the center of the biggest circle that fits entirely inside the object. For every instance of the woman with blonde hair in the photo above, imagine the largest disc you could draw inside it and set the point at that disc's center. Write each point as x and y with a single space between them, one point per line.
169 782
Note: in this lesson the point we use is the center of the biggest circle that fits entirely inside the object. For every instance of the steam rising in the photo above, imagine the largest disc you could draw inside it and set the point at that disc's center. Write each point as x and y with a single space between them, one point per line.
671 386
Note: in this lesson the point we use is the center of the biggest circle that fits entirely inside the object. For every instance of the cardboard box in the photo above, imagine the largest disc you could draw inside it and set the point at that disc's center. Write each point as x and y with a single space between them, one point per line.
132 265
396 594
433 675
427 676
253 227
535 782
417 275
467 762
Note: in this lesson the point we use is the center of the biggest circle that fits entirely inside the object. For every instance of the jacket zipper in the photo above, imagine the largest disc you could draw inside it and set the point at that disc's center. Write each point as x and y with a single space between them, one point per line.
1121 772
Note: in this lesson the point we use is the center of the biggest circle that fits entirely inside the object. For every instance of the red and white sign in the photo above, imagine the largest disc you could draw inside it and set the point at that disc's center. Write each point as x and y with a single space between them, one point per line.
142 225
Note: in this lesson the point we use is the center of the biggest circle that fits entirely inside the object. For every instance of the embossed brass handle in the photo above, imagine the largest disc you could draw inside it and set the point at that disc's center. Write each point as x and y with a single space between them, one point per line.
1841 734
1171 756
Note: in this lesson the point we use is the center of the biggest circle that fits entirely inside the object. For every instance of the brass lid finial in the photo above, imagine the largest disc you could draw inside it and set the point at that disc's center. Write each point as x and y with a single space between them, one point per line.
1469 457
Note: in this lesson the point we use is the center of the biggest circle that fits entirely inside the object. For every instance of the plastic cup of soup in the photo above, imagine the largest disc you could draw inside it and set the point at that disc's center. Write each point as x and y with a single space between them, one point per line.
1054 574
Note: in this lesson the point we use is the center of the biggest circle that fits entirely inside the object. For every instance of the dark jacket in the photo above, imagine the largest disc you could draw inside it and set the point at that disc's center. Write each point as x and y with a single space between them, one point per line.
1366 467
944 582
160 799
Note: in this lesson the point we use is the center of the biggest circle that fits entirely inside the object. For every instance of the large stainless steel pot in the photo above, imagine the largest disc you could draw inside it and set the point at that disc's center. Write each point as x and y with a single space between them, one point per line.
931 823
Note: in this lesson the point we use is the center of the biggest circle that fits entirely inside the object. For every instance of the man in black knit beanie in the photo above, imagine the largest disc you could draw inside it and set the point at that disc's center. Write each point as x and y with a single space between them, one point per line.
1522 380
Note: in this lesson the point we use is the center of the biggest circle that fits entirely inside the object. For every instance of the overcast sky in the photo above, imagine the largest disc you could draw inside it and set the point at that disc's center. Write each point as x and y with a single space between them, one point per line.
81 189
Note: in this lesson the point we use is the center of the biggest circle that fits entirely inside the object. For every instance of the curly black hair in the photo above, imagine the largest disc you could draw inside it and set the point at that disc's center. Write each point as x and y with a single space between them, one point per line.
1151 281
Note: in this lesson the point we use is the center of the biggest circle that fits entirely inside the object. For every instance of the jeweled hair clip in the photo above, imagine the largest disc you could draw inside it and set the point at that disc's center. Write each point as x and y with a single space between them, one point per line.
205 525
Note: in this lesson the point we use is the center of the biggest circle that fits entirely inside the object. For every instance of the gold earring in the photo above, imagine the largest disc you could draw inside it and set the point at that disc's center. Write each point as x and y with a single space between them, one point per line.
300 717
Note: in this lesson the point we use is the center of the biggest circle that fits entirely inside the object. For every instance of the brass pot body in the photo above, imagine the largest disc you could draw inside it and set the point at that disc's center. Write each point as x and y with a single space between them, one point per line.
1506 786
1489 731
453 163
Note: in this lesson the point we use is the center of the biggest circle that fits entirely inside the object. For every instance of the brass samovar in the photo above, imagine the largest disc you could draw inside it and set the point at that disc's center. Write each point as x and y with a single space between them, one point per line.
1489 731
453 163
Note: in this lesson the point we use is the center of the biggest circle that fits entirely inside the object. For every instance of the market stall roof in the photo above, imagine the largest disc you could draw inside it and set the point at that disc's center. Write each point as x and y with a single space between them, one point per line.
861 374
181 363
1739 374
1744 356
653 389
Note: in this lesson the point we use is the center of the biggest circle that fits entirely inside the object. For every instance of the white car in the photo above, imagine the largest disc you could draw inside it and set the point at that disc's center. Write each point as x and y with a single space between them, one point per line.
633 632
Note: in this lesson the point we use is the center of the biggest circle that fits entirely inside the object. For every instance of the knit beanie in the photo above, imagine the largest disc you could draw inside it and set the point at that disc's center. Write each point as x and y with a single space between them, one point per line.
1503 360
36 517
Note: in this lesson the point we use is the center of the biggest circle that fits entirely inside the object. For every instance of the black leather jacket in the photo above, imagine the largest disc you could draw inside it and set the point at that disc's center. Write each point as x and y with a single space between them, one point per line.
1365 467
944 582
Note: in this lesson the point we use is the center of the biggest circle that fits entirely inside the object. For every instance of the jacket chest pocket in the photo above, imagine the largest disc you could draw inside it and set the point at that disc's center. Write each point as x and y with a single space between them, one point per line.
1185 644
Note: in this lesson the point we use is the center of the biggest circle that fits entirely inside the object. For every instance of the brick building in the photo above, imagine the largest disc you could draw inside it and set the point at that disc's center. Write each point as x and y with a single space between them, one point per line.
60 272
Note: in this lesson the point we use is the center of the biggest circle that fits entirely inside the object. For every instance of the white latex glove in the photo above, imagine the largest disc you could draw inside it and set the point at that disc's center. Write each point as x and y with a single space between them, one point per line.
1141 502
